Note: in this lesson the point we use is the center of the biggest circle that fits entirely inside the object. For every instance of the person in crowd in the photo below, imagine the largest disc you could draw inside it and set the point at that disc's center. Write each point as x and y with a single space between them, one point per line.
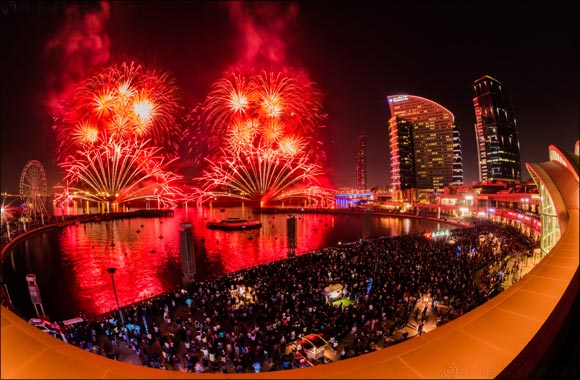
252 320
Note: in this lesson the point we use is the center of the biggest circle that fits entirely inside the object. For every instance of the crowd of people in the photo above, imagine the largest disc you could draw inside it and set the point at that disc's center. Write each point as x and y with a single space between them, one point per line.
250 321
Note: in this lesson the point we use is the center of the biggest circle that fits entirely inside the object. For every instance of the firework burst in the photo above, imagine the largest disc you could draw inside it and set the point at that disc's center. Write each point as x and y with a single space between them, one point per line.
277 104
119 172
262 174
117 135
124 102
260 131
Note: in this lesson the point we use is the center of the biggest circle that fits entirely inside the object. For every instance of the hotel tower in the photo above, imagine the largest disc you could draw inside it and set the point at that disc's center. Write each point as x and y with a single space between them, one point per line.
425 148
496 132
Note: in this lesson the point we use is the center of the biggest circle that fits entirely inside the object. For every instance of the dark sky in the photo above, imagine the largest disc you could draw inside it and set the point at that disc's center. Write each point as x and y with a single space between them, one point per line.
358 54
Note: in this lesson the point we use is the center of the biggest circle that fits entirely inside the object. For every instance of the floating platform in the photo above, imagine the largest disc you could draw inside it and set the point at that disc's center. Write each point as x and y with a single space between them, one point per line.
233 224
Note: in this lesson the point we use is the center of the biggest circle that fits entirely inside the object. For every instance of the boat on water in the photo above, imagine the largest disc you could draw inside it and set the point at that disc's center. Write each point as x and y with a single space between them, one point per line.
233 224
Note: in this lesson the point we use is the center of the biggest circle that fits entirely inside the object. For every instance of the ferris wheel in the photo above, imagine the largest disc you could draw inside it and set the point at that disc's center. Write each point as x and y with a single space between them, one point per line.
33 190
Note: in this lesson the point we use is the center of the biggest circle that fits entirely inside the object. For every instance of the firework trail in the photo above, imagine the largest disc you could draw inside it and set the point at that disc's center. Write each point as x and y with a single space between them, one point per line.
264 175
119 172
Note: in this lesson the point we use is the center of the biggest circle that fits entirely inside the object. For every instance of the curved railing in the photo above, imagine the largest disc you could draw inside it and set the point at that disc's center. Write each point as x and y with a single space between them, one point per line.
485 343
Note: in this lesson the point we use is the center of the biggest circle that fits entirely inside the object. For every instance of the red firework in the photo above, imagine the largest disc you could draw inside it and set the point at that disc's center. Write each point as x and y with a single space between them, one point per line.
122 103
261 109
261 131
118 172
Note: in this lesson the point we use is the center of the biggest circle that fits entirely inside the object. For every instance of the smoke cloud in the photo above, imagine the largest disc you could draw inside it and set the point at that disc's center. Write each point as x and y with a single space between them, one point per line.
81 46
263 30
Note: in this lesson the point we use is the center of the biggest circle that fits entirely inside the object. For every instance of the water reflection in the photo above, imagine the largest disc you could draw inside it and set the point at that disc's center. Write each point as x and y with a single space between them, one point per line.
70 263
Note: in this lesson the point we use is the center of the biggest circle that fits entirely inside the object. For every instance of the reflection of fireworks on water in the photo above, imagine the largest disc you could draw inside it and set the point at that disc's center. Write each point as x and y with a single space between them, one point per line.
119 172
260 131
126 102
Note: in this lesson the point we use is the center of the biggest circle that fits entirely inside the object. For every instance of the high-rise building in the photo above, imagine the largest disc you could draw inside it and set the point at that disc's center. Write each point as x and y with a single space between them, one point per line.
496 132
402 154
424 144
457 159
361 163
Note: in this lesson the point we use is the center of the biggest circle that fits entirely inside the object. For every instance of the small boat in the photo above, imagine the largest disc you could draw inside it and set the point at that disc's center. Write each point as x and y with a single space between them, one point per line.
233 224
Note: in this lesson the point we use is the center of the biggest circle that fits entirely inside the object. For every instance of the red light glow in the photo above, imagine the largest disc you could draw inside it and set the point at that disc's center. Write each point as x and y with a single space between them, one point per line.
261 129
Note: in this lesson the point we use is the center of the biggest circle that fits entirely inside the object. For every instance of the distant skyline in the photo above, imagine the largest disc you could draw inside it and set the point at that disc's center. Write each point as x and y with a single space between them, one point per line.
357 53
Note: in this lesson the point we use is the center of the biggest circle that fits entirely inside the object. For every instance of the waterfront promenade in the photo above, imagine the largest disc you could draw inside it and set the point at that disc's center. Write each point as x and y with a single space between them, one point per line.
17 230
413 312
14 231
253 318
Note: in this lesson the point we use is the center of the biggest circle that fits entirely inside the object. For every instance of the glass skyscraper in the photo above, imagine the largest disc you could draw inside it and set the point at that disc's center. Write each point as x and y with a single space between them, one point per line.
425 148
496 132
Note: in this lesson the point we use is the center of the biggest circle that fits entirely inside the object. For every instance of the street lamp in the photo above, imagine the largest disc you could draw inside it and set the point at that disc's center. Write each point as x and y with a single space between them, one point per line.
5 216
112 273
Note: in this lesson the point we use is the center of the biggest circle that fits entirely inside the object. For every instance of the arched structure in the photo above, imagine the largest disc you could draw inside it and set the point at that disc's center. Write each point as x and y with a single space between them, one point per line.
514 335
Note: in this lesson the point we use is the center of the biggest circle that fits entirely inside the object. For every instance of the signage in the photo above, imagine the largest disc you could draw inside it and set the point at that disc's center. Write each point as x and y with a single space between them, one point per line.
398 99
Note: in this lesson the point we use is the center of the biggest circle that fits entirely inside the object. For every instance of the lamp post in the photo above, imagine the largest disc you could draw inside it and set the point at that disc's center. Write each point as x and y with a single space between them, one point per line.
4 216
112 273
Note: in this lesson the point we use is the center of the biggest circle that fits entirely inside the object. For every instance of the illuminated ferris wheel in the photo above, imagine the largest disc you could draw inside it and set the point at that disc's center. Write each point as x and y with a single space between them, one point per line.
33 190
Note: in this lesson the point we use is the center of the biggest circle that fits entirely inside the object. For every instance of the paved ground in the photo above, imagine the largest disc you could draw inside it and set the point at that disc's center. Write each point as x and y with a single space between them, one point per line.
125 354
411 329
518 266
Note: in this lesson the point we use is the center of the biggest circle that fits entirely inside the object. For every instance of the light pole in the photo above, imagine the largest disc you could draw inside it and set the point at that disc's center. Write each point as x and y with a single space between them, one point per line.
112 273
4 216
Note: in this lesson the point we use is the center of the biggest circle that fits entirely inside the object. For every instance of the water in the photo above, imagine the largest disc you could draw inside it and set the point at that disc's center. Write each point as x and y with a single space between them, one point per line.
71 263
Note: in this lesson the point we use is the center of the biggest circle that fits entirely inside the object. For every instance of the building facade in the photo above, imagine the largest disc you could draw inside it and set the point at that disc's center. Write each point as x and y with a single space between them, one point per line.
402 154
361 162
557 182
425 149
496 132
457 159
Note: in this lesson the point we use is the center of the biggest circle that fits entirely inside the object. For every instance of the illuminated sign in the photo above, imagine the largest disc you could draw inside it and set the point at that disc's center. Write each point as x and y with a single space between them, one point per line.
398 99
439 233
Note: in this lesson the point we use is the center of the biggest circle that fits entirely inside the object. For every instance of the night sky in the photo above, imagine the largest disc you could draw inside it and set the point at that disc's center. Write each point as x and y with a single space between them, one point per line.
358 54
